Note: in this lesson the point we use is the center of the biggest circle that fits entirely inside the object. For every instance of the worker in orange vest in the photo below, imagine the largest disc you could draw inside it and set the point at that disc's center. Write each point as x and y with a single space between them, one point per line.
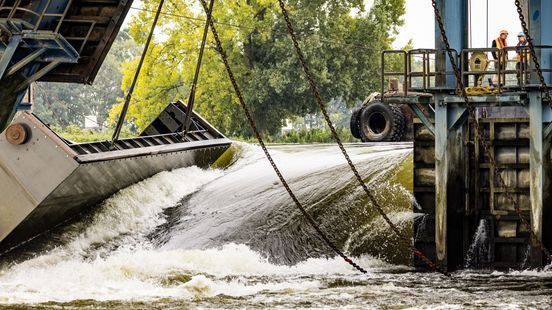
500 43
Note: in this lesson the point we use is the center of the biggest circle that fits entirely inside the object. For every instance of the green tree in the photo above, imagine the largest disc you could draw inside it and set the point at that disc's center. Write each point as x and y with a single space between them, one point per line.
342 42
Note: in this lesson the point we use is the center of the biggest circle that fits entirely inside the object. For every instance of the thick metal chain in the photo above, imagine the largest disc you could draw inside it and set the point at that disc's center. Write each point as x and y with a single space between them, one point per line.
191 99
481 136
251 122
534 57
320 102
130 92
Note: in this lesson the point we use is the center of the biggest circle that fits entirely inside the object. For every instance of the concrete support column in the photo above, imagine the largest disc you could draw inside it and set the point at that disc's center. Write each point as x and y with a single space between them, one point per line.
540 23
449 183
441 180
536 161
448 142
454 14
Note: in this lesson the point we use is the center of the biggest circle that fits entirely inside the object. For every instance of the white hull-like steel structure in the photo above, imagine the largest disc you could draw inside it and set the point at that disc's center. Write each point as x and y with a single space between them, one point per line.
47 180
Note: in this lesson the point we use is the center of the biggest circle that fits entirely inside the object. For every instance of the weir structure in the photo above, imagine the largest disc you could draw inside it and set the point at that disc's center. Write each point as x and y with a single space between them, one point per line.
454 182
46 180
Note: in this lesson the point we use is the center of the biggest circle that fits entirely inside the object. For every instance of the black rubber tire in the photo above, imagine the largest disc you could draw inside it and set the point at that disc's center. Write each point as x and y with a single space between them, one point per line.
354 123
381 122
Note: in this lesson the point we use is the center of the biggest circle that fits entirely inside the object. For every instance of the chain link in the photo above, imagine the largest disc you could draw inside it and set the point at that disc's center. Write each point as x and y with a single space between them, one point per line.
251 122
534 57
320 102
480 133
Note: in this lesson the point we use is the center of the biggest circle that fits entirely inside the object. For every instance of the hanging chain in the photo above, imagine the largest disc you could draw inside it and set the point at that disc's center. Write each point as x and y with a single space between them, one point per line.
191 99
534 57
320 102
251 122
128 97
481 136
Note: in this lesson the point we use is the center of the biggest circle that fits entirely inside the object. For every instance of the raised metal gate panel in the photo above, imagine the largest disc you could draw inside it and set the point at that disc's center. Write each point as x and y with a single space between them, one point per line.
424 191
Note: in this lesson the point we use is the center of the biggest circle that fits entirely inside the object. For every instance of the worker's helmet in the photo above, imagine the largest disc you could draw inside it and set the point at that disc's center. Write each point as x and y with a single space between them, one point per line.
521 34
503 31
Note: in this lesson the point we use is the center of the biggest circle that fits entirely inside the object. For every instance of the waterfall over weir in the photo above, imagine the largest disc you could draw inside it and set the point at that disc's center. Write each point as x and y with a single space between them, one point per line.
232 239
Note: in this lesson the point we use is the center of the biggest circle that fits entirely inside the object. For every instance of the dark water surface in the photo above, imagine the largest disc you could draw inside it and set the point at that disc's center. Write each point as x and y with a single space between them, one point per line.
233 239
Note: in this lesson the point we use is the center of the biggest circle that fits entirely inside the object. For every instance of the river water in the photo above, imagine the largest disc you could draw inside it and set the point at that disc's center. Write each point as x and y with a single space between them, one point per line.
232 239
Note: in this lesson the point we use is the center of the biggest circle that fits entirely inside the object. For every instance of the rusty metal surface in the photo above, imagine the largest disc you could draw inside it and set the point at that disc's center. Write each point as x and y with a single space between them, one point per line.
537 172
16 134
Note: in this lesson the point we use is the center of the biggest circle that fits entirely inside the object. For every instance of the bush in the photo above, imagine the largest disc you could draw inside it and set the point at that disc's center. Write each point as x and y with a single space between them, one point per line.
80 135
303 136
306 136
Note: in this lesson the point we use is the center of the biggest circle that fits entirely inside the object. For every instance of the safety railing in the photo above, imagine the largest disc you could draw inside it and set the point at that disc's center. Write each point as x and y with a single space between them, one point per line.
35 17
424 73
488 67
510 68
417 70
82 39
50 17
476 65
492 69
421 63
399 62
524 68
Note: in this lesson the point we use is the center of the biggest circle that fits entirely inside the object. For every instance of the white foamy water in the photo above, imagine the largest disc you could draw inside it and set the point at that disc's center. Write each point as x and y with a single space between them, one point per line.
127 216
145 274
110 259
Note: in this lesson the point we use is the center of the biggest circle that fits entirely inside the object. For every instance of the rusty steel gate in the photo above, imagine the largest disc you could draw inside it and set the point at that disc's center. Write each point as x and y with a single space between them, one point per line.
475 198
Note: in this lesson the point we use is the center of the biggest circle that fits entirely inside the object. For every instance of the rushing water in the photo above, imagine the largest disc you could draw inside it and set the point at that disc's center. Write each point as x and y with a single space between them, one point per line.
232 239
479 251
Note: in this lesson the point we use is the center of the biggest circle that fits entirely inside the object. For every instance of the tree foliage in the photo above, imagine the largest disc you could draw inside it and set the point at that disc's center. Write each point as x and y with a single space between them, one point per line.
65 104
341 39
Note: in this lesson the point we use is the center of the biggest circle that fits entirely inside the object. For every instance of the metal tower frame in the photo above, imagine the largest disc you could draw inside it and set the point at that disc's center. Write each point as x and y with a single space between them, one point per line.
452 177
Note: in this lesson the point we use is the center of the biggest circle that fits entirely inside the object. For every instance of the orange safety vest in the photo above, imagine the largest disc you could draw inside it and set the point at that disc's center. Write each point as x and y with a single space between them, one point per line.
502 44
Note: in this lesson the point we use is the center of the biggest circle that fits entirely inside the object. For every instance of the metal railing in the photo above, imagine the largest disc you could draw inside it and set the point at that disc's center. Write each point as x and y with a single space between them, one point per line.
38 25
509 73
431 75
494 66
419 70
35 16
84 38
403 73
525 69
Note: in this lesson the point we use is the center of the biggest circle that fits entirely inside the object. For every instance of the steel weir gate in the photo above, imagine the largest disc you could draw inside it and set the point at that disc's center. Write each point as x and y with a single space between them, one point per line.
458 193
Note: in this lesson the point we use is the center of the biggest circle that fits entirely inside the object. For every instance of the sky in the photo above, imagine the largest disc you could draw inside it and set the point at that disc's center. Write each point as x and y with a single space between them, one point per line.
419 23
